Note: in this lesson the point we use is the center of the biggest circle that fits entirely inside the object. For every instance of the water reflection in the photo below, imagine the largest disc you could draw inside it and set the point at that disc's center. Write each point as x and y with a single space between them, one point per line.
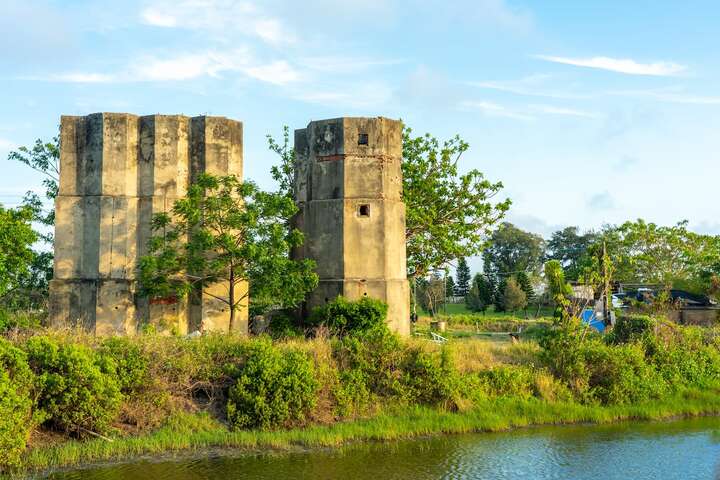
686 450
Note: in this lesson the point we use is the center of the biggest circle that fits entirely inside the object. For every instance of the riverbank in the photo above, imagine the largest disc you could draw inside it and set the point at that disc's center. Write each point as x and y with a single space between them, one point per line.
188 433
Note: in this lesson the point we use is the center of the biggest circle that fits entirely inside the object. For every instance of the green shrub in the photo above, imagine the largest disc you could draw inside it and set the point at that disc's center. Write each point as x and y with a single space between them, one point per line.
16 406
282 325
131 365
342 316
17 320
351 393
507 381
78 389
429 379
619 374
629 328
273 388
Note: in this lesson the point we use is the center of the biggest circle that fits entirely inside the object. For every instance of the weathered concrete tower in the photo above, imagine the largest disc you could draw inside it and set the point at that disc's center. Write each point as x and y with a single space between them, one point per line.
116 171
348 186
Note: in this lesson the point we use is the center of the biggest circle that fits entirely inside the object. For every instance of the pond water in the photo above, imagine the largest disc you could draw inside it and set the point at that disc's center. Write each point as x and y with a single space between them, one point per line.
686 449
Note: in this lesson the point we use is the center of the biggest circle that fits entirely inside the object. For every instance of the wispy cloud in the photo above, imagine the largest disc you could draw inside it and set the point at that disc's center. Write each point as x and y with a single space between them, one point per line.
670 95
361 97
187 67
620 65
494 110
531 112
6 144
601 201
522 87
344 64
222 17
554 110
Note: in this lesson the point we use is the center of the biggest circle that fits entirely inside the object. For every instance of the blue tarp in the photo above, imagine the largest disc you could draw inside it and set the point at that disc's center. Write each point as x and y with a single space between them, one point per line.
588 317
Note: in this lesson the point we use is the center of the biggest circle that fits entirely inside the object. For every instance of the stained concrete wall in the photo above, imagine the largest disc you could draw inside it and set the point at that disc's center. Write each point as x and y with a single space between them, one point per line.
348 187
117 171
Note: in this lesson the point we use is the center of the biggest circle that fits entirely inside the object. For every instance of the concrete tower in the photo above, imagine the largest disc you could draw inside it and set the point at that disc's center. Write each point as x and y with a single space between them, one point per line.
348 186
116 171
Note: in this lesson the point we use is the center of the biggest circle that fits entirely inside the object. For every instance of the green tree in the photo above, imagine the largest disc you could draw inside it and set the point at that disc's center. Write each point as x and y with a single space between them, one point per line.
481 294
448 214
450 287
559 289
571 249
513 250
524 281
463 277
499 294
228 232
16 255
513 296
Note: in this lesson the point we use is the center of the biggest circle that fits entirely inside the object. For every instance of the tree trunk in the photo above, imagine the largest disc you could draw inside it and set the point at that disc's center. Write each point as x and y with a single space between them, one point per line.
231 326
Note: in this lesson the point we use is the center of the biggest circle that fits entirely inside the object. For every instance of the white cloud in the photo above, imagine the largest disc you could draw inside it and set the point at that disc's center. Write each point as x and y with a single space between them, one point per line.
601 201
528 86
627 66
361 97
6 144
278 73
343 64
670 95
221 17
494 110
553 110
187 67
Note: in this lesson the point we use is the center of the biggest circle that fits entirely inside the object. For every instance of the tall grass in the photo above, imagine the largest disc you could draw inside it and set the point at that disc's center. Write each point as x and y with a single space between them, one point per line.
195 432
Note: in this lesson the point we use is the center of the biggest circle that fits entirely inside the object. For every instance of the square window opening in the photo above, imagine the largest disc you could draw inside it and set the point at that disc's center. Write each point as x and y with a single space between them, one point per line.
364 210
363 139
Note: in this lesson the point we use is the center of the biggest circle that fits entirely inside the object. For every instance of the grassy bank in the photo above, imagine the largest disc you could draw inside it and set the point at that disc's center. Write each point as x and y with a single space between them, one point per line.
197 432
68 398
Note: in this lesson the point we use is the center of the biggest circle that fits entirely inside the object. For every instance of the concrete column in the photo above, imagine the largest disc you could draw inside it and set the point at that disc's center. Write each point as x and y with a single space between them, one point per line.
117 171
349 188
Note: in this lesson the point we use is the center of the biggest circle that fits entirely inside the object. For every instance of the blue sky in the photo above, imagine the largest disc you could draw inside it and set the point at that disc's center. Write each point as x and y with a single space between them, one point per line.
588 112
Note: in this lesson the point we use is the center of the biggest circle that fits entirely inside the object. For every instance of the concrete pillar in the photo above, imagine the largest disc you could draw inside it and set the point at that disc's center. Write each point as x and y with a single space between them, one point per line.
117 171
349 187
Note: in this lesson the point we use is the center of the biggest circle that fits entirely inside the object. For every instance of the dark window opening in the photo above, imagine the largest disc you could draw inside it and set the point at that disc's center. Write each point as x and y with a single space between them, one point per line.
363 139
364 210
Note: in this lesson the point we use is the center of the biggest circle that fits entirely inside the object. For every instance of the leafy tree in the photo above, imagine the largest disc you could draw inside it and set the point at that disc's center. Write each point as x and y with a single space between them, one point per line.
431 293
513 296
44 158
513 250
228 232
284 173
448 214
16 255
480 296
559 289
463 277
450 287
499 296
524 281
570 248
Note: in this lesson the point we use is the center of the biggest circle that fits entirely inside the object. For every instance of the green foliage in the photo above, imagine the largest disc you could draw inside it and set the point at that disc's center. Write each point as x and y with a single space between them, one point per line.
507 381
77 388
10 320
16 405
131 364
342 316
429 379
16 240
513 250
571 249
481 294
523 281
450 287
513 297
274 388
228 232
499 297
284 173
629 328
283 325
463 277
449 214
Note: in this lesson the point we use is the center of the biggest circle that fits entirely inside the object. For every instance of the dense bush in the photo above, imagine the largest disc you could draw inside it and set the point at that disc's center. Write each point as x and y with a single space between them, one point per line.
629 328
507 381
273 388
16 406
78 389
131 364
342 316
17 320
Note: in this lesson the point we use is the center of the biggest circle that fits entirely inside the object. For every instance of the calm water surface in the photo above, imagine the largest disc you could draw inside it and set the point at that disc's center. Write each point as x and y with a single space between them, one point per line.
687 450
